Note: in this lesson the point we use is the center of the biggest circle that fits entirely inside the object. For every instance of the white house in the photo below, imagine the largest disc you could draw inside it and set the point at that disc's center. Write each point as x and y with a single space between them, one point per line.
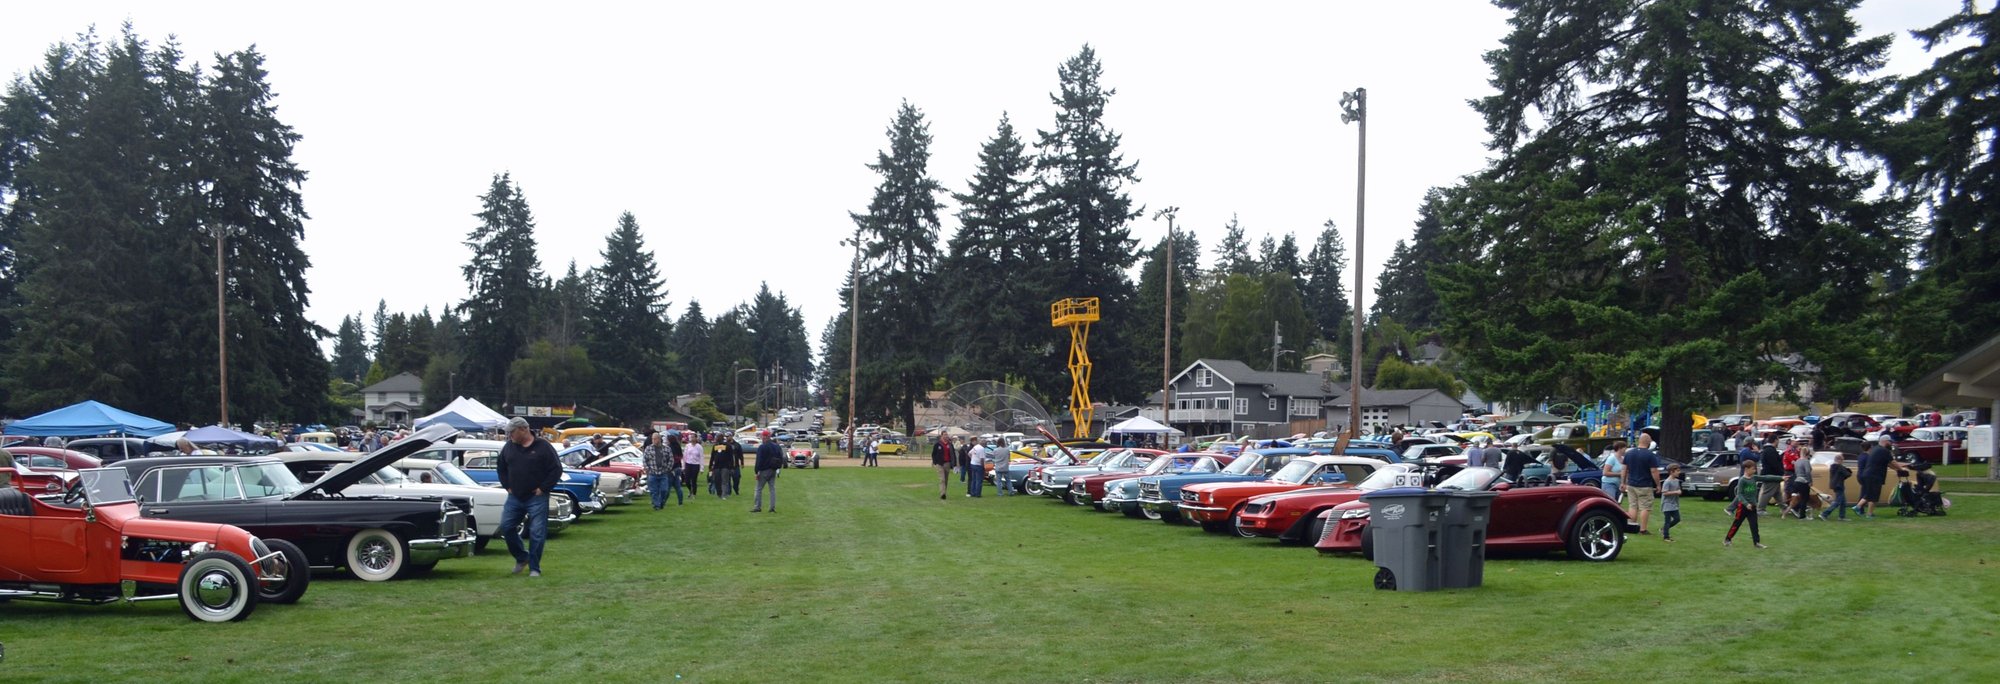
393 401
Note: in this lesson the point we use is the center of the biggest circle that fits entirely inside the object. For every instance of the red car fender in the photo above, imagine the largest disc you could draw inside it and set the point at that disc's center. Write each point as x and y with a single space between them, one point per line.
1586 505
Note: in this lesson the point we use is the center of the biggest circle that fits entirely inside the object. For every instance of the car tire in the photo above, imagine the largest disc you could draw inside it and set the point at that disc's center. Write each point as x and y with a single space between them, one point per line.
1031 488
376 555
1596 537
1216 527
216 586
1316 531
291 564
1066 498
479 546
1367 544
1133 511
418 569
1594 484
1171 516
1236 525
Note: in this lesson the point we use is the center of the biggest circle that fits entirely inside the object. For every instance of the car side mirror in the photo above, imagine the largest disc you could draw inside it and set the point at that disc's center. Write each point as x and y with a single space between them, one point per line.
1502 487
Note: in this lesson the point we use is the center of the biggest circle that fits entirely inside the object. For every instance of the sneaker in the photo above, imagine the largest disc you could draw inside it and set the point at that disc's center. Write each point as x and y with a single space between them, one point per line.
518 567
1666 539
534 573
1725 543
942 497
756 510
1760 545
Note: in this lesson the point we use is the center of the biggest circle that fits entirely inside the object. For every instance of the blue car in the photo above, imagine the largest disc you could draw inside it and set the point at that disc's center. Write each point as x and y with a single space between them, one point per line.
1160 495
477 456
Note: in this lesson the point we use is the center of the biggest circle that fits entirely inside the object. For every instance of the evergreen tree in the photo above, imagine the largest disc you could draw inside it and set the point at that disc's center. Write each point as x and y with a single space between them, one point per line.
1667 181
1146 323
729 350
1285 259
1086 215
1233 253
381 326
627 331
992 277
1403 289
1230 317
1325 292
689 347
350 352
1944 153
506 281
899 262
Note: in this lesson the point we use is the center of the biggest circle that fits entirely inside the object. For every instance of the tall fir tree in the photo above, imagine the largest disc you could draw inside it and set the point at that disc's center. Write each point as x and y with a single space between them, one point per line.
1944 152
1086 212
350 351
1232 255
990 277
899 235
689 347
1147 324
1403 289
1325 290
1685 158
506 280
627 331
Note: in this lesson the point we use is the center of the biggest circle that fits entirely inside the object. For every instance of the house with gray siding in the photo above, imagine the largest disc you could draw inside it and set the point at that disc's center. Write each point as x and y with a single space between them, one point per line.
1213 396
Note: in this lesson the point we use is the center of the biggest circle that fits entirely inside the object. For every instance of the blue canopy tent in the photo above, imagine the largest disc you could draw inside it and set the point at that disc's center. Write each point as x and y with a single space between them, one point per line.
88 419
453 419
218 435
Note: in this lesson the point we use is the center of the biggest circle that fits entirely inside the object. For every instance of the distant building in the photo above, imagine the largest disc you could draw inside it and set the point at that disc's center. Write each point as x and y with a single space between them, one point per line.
1325 365
393 401
1215 396
1427 354
1383 409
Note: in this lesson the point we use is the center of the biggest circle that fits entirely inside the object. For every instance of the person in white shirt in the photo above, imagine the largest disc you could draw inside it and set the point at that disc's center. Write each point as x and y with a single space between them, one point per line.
691 466
1000 460
976 480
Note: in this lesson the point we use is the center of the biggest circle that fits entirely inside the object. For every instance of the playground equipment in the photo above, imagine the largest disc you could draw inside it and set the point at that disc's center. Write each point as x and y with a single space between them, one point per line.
1077 313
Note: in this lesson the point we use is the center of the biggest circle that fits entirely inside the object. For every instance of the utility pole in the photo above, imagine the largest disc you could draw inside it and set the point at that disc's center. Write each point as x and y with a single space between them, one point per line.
1167 328
853 335
1354 110
221 325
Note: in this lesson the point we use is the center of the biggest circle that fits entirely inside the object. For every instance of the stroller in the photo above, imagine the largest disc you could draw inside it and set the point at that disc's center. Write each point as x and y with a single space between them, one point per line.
1920 497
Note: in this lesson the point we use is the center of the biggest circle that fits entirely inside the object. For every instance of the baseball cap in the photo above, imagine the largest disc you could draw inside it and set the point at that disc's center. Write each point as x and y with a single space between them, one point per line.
517 423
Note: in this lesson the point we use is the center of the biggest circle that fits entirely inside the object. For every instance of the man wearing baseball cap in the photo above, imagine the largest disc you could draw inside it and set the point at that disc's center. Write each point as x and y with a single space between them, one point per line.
528 469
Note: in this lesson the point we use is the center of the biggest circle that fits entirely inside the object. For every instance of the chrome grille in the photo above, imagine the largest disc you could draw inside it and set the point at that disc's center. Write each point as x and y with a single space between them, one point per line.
454 523
1190 497
1149 490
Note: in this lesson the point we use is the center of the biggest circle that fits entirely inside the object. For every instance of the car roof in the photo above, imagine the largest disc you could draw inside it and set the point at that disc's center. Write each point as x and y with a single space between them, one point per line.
153 463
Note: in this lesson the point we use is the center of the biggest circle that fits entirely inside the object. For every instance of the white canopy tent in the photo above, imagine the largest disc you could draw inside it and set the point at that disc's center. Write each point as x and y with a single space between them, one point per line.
470 409
1141 425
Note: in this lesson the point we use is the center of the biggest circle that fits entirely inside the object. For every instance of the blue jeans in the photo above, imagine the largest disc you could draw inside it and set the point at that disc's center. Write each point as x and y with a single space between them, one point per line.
1610 487
1000 480
659 485
1839 503
766 479
972 484
536 510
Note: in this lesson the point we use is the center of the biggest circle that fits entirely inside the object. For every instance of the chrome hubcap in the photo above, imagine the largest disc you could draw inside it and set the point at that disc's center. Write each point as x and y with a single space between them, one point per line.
376 555
1599 538
215 590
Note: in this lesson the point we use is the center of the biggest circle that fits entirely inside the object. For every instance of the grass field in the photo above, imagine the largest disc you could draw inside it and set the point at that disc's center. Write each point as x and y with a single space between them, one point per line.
866 576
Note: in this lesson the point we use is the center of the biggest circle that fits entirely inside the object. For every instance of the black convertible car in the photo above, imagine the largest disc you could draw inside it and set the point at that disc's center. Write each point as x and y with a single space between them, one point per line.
376 538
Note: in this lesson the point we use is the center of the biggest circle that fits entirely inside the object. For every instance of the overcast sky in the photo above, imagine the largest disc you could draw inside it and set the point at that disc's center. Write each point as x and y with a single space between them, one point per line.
737 132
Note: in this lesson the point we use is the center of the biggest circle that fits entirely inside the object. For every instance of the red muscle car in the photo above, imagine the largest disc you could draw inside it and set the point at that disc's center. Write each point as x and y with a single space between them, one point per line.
91 546
1215 504
1582 521
1295 516
1088 490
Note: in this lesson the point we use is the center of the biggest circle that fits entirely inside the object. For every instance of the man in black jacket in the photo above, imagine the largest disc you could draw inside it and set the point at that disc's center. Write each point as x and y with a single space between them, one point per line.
1773 463
528 469
770 457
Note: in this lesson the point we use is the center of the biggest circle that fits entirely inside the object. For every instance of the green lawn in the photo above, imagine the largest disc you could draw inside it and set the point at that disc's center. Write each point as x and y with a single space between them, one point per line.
866 576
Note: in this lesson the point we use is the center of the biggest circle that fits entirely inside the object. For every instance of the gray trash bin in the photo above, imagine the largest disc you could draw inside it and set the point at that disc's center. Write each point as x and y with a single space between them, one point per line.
1406 525
1463 547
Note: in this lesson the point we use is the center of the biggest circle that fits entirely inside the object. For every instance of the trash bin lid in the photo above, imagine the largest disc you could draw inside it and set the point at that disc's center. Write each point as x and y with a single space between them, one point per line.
1396 491
1473 495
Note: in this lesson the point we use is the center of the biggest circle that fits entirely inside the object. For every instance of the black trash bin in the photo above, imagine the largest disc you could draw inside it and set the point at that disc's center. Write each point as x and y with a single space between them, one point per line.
1406 527
1463 547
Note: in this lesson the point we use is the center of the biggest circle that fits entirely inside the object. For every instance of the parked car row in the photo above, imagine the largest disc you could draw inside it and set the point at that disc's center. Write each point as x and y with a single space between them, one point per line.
1308 495
222 534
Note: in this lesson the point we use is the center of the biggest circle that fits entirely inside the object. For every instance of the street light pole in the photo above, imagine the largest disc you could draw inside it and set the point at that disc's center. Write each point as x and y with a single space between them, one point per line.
221 232
1167 328
1354 110
736 390
853 335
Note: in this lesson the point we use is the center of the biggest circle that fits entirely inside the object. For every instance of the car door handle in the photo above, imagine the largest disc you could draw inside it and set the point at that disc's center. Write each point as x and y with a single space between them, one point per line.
157 511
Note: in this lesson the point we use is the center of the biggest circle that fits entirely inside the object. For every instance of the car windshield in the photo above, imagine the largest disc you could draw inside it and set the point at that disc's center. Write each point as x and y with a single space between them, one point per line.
1160 465
391 476
1470 480
106 485
1295 472
450 474
1247 464
260 480
1381 479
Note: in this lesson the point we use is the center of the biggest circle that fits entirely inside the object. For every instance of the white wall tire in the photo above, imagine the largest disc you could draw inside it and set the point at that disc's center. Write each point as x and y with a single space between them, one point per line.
376 555
216 586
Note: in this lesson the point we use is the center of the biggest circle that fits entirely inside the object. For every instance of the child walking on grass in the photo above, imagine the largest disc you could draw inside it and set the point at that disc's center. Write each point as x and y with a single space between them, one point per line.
1670 500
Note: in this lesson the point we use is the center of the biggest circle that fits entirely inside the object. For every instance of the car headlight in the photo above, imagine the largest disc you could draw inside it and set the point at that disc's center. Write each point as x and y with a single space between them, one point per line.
1353 514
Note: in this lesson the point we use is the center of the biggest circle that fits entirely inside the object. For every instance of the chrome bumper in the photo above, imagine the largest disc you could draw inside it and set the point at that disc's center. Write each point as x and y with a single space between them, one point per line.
615 498
1159 505
591 506
433 550
1200 509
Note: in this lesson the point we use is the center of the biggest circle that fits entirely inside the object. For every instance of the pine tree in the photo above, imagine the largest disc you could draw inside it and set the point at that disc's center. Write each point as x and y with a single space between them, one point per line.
988 278
506 280
1285 259
729 350
1944 152
1145 325
350 353
1403 289
1086 213
899 265
1233 253
626 329
564 303
1325 292
1664 187
690 348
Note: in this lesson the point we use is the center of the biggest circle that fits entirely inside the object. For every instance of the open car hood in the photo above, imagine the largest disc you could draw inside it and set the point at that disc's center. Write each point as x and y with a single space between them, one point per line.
341 479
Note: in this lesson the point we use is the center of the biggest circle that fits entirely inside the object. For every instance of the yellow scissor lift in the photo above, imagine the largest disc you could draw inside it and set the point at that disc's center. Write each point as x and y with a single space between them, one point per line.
1077 313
